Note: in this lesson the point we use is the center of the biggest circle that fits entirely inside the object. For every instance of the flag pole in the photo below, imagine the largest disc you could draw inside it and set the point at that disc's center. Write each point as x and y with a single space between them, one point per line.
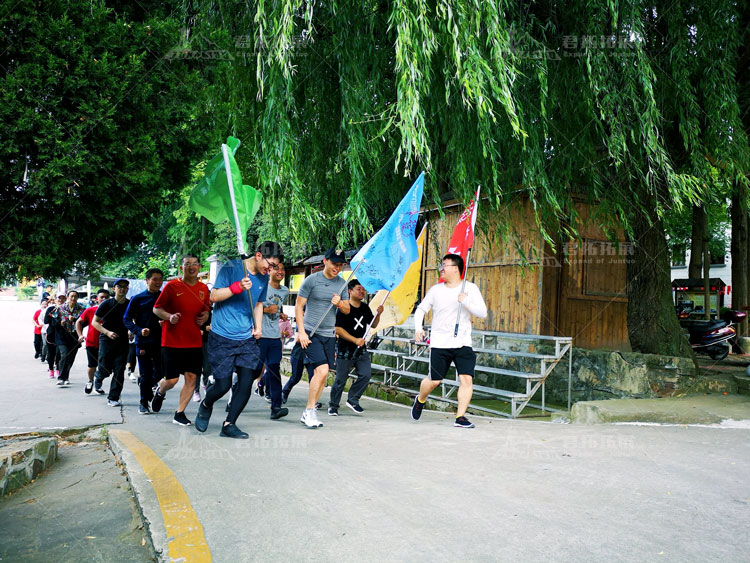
369 326
468 255
315 328
240 236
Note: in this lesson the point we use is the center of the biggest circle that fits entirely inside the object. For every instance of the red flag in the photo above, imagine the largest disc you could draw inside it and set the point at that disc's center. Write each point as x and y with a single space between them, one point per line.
463 235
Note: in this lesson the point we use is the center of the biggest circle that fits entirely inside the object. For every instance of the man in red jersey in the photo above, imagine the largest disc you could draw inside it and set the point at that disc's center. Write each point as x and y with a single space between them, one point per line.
92 337
184 305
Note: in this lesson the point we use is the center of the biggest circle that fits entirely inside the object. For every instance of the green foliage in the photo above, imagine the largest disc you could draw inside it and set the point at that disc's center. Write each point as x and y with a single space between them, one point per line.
97 131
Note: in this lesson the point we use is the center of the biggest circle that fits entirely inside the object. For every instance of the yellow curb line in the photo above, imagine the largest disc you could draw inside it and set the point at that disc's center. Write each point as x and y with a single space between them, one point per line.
184 531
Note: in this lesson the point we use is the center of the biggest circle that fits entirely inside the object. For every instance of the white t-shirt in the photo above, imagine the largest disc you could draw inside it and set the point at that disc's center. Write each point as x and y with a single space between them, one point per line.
444 303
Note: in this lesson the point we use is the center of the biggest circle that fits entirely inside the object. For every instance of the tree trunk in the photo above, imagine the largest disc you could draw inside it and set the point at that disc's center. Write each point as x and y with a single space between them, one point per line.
653 327
739 250
697 242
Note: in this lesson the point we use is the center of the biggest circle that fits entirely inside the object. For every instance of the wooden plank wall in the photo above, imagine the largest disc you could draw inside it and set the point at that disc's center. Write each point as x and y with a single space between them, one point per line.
512 292
584 293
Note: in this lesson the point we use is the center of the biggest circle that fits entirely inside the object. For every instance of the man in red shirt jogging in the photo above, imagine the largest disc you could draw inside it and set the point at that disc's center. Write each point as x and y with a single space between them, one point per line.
184 305
92 337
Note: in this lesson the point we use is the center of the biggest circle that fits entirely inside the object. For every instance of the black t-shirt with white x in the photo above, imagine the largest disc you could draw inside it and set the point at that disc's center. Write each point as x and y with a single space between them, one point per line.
355 323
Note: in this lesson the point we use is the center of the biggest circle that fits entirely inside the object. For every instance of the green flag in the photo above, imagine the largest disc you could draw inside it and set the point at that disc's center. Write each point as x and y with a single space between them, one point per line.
212 199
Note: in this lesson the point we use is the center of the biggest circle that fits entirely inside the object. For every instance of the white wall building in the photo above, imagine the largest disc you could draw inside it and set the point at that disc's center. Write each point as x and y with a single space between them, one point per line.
721 267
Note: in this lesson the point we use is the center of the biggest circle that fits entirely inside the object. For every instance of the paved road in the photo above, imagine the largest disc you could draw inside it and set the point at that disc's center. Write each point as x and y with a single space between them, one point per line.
378 486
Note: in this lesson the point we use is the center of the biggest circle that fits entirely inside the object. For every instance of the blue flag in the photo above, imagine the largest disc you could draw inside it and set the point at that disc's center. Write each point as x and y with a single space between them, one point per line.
386 256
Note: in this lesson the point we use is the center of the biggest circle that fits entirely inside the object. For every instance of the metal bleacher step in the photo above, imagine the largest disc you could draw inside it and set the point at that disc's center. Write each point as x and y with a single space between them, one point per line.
386 353
481 388
488 369
514 354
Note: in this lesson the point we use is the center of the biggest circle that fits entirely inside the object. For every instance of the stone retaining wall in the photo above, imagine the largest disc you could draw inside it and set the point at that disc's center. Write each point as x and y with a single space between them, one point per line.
22 461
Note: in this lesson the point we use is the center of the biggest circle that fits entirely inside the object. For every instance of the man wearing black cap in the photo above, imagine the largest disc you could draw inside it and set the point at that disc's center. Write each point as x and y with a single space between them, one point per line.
321 295
113 342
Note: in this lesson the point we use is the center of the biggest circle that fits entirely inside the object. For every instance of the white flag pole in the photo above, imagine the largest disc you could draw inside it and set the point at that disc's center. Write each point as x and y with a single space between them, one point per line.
240 235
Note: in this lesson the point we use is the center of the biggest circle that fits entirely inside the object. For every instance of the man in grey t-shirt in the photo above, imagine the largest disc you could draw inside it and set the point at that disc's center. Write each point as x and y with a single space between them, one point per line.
320 296
270 343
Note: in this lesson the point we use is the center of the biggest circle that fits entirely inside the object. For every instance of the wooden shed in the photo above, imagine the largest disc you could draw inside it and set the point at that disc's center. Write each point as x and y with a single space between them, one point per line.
578 291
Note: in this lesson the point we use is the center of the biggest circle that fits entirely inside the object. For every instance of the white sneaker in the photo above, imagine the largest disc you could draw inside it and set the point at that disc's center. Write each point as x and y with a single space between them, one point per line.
310 419
114 403
196 397
132 377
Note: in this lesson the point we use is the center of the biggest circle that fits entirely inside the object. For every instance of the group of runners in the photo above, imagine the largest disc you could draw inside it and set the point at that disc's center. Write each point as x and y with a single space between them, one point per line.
244 340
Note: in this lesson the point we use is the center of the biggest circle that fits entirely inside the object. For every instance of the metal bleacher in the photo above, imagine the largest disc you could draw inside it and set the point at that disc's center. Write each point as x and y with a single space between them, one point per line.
532 358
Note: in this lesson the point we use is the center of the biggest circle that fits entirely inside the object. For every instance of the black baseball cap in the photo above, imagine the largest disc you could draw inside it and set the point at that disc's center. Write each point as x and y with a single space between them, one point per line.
336 255
121 281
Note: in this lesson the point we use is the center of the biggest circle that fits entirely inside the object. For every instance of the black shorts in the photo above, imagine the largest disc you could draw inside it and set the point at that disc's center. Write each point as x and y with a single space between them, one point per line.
441 359
321 350
93 356
181 360
226 355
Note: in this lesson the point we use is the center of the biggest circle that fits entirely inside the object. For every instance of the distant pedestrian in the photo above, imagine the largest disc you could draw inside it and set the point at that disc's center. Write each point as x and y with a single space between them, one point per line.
445 348
38 329
184 306
66 339
92 337
43 331
113 342
53 354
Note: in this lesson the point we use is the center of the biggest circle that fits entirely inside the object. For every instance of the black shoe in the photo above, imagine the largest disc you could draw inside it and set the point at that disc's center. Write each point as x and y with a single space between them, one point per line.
279 413
143 410
416 408
318 406
284 398
260 391
181 419
231 431
157 402
36 356
89 387
355 408
463 422
98 386
202 418
333 411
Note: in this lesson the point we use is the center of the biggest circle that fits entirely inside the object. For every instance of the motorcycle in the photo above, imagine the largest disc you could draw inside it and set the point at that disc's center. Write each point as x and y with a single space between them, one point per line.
713 338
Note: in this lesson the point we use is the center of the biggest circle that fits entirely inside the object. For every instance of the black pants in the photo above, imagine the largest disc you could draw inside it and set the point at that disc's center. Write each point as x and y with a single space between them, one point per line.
52 356
149 364
67 357
113 355
297 359
240 392
37 345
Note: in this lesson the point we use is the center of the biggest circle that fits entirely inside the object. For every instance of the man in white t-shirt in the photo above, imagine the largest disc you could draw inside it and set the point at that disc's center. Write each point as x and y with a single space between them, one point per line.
445 348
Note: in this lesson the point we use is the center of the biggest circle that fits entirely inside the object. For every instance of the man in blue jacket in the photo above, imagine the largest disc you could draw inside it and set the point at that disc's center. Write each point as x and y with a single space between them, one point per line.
139 319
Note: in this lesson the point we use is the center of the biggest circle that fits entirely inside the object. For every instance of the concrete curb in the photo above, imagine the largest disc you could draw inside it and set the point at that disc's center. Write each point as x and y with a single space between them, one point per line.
24 460
145 499
694 409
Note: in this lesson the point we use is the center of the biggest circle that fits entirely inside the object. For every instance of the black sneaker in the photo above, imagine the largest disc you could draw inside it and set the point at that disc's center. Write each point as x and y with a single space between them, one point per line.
416 408
333 411
181 419
157 402
231 431
202 418
98 386
143 410
318 406
355 408
463 422
89 387
279 413
260 391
